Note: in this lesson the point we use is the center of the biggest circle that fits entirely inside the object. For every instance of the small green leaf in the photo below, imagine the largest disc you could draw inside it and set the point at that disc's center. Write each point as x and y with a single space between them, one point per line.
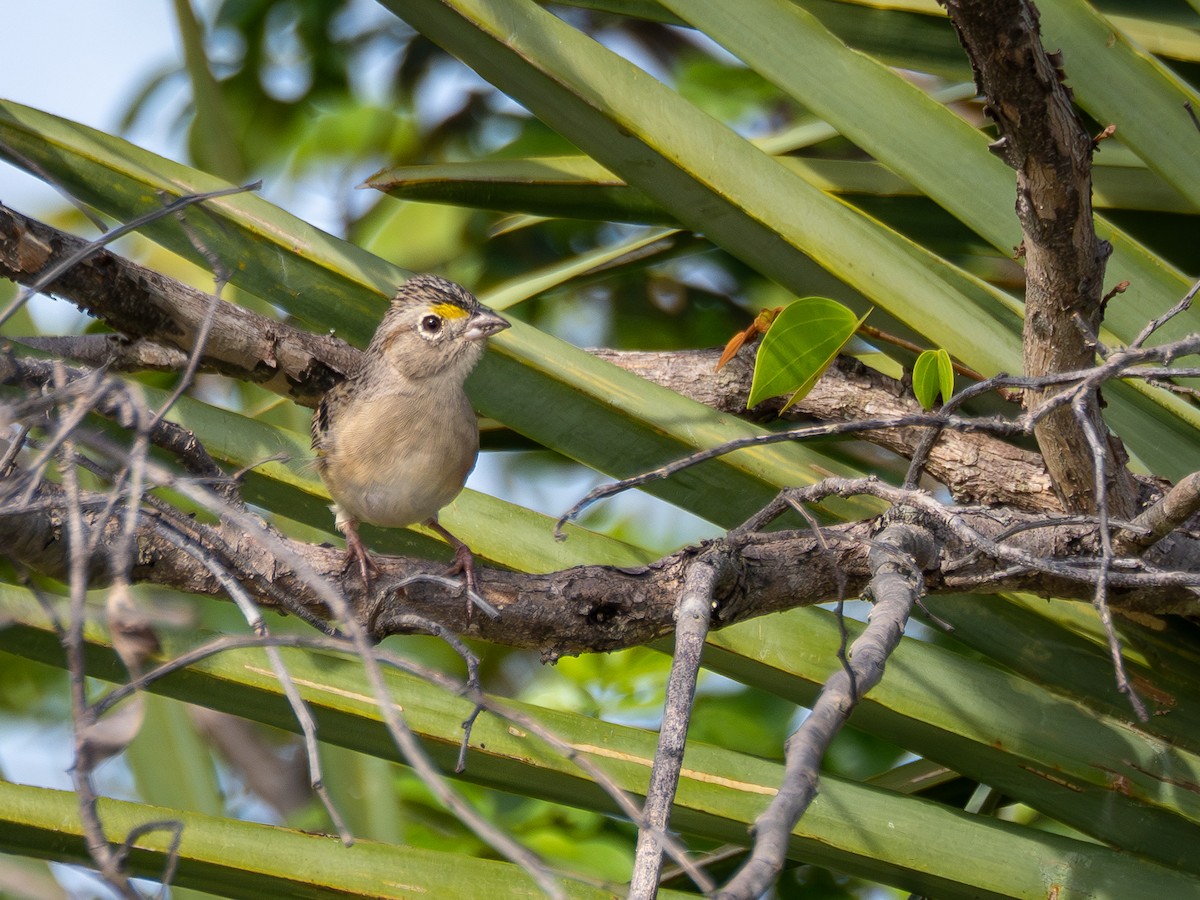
933 374
801 343
945 374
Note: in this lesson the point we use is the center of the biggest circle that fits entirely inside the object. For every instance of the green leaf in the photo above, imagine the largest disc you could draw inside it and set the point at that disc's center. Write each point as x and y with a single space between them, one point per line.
799 346
244 859
1098 773
571 186
933 374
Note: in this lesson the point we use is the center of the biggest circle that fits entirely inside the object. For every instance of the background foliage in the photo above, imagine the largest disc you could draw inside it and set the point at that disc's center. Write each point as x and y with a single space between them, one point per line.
649 176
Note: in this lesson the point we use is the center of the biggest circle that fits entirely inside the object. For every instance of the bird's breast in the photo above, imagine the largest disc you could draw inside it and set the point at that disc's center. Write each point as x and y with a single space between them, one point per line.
395 461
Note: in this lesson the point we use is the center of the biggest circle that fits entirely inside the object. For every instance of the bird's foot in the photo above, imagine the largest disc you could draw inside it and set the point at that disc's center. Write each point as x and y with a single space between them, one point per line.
356 551
464 565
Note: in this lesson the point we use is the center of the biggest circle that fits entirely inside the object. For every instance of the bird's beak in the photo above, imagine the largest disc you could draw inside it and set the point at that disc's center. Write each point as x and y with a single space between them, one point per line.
484 323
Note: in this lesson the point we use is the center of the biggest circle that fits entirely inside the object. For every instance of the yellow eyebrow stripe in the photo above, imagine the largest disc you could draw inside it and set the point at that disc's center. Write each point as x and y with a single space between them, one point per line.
449 311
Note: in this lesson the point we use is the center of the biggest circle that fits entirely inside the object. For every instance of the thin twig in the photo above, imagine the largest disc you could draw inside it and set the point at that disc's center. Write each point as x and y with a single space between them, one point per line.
1154 324
693 615
221 274
90 389
897 341
15 445
451 584
776 437
1100 600
472 687
254 619
175 827
83 717
839 578
920 455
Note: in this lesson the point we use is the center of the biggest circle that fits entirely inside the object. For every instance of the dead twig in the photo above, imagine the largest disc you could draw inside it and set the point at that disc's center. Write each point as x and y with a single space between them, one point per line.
694 614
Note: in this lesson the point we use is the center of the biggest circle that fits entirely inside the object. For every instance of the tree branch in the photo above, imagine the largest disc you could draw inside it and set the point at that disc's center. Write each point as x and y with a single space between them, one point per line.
159 317
976 468
144 304
1044 140
602 608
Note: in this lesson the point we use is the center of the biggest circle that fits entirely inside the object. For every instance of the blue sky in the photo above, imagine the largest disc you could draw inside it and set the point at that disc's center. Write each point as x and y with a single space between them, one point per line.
81 59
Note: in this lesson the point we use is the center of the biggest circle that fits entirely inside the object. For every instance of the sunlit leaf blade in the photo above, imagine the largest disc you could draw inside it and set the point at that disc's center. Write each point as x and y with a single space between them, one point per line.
806 385
249 860
799 346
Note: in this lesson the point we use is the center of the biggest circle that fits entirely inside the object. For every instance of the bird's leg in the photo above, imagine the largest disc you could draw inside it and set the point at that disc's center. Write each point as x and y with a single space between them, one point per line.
356 550
464 561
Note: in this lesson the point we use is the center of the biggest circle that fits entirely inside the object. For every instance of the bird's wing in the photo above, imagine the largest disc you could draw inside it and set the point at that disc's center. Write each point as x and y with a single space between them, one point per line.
322 419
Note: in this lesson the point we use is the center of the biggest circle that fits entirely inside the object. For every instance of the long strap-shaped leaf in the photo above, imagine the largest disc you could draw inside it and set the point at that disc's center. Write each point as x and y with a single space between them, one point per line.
579 187
247 859
906 129
1095 773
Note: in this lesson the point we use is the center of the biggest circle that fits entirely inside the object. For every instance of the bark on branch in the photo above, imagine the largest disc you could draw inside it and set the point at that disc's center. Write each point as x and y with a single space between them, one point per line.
1044 140
147 306
601 608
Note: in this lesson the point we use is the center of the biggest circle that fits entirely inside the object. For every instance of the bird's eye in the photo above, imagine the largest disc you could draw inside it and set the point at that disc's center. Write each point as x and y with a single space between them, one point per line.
431 324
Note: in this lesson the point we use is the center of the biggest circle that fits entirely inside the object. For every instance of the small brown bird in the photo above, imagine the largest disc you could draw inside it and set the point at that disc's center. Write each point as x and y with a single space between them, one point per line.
396 440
